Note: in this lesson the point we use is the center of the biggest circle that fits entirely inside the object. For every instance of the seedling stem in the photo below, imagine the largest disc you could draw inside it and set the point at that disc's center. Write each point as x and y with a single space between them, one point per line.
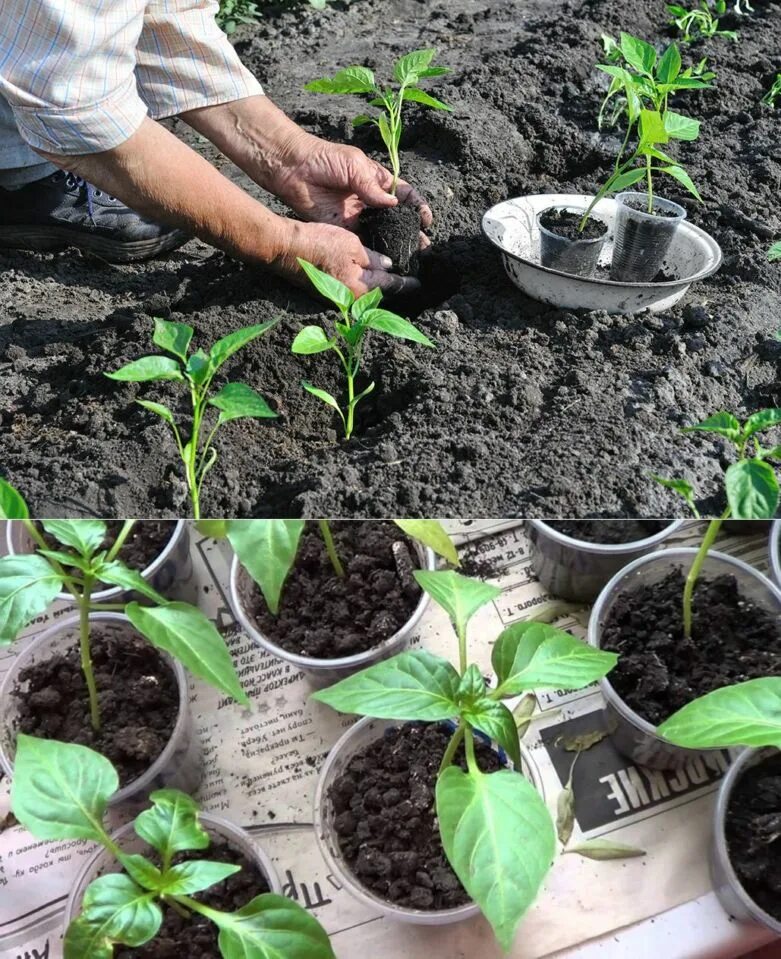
328 539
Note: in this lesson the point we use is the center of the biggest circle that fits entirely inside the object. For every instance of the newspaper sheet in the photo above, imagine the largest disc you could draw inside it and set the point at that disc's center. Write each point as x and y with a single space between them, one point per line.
262 766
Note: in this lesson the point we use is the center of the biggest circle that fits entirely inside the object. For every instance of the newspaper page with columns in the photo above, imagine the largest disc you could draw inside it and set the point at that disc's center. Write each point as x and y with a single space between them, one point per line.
262 766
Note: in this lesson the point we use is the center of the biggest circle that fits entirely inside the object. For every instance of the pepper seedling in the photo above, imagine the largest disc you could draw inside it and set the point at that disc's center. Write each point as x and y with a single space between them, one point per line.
60 792
745 714
197 371
699 23
774 253
750 484
267 548
390 99
358 317
495 828
29 582
773 93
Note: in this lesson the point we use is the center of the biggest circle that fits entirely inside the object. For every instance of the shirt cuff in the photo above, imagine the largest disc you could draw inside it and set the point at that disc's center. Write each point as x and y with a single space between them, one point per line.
223 87
92 128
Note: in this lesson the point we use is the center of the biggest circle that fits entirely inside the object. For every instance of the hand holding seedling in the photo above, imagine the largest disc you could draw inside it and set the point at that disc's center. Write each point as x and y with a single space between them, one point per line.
61 791
358 317
29 582
196 372
751 485
495 828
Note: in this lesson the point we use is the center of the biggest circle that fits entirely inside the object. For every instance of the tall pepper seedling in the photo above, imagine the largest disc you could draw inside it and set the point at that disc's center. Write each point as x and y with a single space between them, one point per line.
29 582
495 828
389 99
61 791
751 485
196 371
358 317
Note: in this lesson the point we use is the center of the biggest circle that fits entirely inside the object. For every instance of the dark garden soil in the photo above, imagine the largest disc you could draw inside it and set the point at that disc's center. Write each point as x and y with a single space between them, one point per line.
385 822
659 670
146 541
610 532
138 694
567 225
521 409
196 937
326 616
395 233
753 831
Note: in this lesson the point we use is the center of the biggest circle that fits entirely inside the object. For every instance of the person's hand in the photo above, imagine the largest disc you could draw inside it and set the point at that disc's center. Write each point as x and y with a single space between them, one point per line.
333 183
341 254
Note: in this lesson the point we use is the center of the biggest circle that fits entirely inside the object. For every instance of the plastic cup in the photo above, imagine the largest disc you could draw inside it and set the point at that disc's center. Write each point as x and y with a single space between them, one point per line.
775 551
576 257
642 239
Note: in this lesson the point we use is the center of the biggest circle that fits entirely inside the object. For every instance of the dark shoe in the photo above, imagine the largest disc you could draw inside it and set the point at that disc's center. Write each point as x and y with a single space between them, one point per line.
62 210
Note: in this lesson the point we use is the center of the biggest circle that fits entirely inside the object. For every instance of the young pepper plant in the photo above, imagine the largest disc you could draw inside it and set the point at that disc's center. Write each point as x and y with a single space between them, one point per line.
60 791
358 317
29 582
746 714
267 548
197 371
750 484
495 828
699 23
407 74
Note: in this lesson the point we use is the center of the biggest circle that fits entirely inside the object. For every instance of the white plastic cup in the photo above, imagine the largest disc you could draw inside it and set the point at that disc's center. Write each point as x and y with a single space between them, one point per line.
166 573
577 570
632 735
179 765
326 672
356 739
103 862
728 887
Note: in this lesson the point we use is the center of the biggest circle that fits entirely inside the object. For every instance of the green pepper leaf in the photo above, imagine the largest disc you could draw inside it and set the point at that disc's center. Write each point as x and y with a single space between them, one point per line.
141 871
191 877
267 549
725 424
27 585
322 395
458 595
329 287
162 411
681 486
224 348
752 489
270 927
171 825
678 173
409 68
420 96
604 850
172 337
61 790
498 723
386 322
148 368
114 909
431 533
117 574
366 302
83 535
198 367
484 820
680 127
639 54
746 714
189 636
529 656
669 66
763 420
12 503
416 685
350 80
311 340
237 401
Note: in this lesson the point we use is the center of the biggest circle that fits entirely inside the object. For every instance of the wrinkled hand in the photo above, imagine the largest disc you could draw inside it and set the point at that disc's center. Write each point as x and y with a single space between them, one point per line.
333 183
341 254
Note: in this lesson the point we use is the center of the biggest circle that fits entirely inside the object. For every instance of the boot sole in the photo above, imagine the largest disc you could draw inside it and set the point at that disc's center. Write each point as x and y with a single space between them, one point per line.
46 239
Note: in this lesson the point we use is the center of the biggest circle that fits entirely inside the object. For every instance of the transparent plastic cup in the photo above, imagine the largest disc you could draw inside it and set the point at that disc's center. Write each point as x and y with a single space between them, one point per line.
179 765
357 738
576 257
103 863
576 570
728 887
775 551
326 672
642 239
168 573
632 735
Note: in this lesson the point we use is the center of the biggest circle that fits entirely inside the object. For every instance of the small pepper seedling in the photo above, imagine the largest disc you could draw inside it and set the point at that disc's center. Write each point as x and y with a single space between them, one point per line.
358 317
29 582
196 371
773 94
495 828
407 75
750 484
699 23
267 548
745 714
60 791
